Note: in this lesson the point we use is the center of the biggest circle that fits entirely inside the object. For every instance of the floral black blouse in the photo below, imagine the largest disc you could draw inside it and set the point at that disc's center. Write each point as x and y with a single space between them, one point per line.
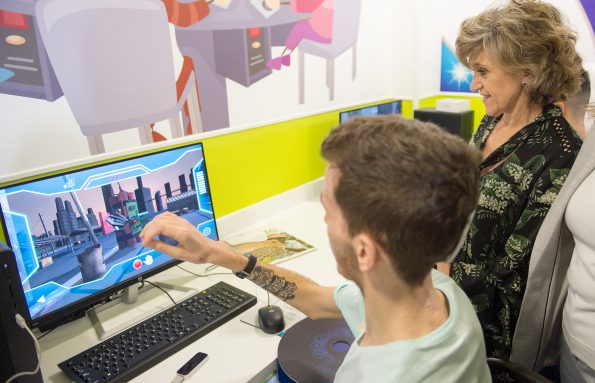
528 172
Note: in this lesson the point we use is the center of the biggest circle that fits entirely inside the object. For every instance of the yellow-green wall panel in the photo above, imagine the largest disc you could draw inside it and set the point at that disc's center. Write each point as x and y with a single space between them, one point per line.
407 108
251 165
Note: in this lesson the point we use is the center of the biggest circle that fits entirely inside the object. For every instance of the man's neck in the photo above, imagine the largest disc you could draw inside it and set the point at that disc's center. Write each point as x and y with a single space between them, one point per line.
402 312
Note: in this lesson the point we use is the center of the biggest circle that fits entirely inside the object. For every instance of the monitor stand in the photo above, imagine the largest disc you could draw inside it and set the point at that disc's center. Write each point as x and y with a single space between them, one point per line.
131 307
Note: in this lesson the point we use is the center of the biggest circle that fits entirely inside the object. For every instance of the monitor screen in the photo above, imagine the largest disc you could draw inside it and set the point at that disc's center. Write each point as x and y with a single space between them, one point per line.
75 234
392 107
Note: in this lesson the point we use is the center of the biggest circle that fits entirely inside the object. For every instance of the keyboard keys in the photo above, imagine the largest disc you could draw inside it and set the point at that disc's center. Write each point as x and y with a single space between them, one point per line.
137 349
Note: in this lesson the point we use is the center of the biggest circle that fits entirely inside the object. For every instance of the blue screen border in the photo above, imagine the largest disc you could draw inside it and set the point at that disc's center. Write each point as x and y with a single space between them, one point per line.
78 308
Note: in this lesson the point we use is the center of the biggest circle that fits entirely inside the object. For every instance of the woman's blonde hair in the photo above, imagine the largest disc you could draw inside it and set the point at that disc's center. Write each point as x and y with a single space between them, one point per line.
526 37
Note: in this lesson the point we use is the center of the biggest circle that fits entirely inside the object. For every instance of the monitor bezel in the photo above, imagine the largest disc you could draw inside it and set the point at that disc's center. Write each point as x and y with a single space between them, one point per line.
77 309
342 113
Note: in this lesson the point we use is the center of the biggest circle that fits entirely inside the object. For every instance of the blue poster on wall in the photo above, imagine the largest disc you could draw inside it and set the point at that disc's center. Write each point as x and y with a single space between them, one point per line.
454 76
589 7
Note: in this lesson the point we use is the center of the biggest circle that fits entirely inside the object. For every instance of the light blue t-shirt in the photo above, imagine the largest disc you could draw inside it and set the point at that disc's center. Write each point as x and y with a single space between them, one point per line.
454 352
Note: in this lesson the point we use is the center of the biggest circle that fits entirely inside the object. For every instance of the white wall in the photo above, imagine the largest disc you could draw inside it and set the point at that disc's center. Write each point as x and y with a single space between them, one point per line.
398 56
403 40
36 133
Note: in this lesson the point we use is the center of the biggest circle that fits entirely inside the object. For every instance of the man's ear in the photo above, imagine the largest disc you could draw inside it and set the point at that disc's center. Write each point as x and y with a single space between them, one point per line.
366 250
562 106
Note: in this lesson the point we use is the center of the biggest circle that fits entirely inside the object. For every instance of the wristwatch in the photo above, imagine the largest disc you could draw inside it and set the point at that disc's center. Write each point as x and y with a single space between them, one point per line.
249 267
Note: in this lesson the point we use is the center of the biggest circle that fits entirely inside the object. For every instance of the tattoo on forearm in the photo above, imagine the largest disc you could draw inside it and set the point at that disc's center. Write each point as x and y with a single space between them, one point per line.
272 283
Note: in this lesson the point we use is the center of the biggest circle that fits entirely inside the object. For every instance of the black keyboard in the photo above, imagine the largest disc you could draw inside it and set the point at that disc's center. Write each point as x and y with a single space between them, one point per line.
130 353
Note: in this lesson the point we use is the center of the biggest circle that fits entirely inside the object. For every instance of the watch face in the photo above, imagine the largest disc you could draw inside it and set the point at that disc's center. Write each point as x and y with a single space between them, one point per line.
241 274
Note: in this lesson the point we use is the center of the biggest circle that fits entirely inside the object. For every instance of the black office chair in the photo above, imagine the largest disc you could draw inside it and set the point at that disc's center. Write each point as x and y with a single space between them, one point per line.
515 371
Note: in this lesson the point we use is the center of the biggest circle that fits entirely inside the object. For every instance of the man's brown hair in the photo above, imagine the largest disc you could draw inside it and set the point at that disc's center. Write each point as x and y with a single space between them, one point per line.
408 184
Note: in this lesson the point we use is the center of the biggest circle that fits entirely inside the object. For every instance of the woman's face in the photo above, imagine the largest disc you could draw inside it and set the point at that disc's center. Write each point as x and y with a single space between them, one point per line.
501 91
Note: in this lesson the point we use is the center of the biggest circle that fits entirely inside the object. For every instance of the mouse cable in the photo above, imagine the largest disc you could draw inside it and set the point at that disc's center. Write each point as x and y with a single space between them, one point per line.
250 324
22 324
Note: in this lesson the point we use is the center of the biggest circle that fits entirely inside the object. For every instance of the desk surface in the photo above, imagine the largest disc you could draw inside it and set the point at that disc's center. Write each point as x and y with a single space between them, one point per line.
237 352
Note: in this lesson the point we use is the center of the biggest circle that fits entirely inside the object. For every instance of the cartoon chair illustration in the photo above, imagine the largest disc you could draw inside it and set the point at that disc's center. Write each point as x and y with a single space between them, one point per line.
345 29
114 62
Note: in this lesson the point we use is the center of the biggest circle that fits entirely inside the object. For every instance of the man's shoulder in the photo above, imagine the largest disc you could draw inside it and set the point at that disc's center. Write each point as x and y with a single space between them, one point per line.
439 279
459 303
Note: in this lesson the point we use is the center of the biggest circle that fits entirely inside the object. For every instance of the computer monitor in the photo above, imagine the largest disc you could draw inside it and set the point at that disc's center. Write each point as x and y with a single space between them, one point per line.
391 107
75 234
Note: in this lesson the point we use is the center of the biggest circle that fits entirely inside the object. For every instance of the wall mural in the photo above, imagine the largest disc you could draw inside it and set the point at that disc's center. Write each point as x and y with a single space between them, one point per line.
454 76
589 8
113 61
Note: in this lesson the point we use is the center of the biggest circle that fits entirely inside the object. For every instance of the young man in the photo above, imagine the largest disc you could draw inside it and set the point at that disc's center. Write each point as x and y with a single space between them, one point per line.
397 195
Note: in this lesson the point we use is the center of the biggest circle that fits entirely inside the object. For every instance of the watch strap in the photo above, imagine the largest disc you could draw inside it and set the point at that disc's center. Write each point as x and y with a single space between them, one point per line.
249 267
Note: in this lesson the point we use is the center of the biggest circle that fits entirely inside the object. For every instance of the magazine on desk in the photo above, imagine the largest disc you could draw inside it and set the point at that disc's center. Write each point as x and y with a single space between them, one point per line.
269 244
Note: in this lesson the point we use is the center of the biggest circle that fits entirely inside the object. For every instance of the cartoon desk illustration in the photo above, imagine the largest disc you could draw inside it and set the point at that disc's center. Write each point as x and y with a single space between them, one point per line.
233 43
26 70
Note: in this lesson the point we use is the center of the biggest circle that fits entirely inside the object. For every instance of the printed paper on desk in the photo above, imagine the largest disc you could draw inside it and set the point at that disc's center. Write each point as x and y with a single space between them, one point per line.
269 244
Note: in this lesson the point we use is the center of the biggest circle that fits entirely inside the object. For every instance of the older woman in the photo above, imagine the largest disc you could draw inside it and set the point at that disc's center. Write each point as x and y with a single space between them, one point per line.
523 58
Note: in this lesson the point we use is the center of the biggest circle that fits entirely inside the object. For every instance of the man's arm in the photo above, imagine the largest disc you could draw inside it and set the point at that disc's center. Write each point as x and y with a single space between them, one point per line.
315 301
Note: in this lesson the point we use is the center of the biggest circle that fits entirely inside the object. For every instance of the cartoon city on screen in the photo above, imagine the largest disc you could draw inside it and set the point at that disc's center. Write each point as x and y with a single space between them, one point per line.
77 234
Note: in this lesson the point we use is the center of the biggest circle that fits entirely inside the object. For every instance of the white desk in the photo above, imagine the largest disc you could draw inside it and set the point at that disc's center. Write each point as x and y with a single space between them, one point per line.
238 352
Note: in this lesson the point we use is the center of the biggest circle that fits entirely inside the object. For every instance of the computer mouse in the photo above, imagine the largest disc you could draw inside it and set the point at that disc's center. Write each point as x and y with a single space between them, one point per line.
270 319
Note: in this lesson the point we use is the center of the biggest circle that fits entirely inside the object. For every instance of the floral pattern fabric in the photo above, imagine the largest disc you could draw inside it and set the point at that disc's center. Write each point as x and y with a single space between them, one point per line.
519 183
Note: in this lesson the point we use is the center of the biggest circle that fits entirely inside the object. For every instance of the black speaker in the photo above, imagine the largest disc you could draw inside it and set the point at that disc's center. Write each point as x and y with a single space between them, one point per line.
459 123
17 348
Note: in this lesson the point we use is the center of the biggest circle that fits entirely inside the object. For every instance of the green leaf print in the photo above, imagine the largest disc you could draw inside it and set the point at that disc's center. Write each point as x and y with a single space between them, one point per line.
526 217
513 159
558 176
480 302
516 246
534 164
